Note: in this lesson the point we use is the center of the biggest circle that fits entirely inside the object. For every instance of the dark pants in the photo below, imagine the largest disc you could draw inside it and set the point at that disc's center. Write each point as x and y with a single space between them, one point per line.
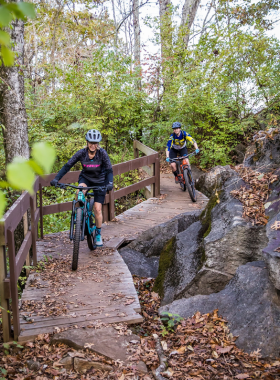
99 196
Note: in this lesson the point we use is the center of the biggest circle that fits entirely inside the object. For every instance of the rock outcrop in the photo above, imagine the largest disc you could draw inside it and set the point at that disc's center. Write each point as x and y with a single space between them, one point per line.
142 254
271 252
180 261
204 258
249 302
264 153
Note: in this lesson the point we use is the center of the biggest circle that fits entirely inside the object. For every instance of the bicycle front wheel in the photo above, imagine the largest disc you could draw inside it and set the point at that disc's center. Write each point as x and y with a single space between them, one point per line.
190 184
77 238
90 237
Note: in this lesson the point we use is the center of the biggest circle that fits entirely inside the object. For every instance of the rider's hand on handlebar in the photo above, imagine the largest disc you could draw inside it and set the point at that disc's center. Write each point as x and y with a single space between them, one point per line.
167 159
54 182
197 151
110 186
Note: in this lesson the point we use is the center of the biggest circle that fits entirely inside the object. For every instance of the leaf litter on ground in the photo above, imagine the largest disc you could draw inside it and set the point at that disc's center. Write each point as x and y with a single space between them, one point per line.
254 195
200 347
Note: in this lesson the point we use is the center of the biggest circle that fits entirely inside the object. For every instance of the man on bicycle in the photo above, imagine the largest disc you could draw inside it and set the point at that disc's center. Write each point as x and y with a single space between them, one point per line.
97 171
176 146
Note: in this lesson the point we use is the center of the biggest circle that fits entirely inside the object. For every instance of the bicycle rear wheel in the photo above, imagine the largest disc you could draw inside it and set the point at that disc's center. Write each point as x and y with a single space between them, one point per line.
190 184
77 238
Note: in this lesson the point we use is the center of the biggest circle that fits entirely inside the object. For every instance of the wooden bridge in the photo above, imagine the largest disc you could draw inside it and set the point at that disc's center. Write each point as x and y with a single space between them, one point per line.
102 290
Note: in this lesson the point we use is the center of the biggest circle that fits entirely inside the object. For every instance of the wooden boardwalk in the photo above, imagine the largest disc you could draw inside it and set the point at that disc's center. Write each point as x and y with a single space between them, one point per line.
101 291
173 201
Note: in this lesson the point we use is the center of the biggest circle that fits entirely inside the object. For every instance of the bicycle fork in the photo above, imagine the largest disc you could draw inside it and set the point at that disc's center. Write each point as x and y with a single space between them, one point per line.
73 222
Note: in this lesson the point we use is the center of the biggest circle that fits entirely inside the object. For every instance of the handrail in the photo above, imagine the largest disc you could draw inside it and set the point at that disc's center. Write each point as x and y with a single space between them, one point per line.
12 218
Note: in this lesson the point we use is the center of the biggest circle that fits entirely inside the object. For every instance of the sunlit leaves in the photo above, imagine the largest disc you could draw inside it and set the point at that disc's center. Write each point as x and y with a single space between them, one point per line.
2 203
20 175
7 55
21 172
44 155
8 12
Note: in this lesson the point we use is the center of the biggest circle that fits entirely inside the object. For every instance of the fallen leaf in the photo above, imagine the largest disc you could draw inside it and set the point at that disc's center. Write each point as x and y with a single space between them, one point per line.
88 345
181 350
224 350
242 376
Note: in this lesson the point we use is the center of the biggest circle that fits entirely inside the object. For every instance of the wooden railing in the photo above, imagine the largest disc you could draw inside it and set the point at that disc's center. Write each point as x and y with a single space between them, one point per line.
11 265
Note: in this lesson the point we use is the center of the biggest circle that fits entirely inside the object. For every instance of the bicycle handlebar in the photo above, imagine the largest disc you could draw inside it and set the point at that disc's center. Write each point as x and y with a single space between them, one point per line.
181 158
63 185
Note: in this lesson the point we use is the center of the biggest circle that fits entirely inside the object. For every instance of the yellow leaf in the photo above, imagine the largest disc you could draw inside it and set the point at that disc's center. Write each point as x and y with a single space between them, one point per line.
181 350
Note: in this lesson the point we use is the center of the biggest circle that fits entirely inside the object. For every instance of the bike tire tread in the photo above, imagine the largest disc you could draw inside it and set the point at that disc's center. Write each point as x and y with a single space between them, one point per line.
188 186
77 238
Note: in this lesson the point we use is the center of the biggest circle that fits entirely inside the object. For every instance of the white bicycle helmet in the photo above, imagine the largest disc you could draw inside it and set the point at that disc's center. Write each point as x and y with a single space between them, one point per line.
93 135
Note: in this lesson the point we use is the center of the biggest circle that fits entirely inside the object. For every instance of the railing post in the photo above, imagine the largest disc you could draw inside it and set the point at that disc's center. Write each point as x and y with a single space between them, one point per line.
157 175
111 205
135 150
33 229
105 212
41 211
25 230
13 282
6 319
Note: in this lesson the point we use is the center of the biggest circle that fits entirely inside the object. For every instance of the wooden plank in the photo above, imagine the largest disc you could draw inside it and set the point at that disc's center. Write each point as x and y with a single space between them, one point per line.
78 315
114 243
15 213
37 216
70 177
22 253
129 319
57 207
132 188
4 295
137 163
143 148
157 181
13 282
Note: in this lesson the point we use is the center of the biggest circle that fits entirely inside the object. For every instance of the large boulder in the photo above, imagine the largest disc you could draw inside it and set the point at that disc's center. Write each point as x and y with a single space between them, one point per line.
152 241
249 302
271 252
214 247
263 154
142 254
139 264
179 263
229 240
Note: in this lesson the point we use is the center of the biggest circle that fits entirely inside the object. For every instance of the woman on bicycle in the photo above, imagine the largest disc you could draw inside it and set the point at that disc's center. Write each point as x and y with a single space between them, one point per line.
97 171
176 146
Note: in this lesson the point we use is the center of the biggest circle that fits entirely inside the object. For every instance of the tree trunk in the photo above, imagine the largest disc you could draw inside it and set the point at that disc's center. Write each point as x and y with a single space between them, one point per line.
14 116
136 30
188 15
165 28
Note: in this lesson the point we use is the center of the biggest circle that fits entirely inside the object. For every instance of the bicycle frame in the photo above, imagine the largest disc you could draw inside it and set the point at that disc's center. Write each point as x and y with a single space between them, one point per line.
84 205
181 163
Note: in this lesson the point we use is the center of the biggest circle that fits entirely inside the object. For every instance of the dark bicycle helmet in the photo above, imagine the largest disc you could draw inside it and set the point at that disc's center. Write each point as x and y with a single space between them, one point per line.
93 135
176 125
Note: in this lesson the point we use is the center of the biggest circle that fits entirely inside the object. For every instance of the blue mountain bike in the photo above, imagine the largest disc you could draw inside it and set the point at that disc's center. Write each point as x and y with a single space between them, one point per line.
82 220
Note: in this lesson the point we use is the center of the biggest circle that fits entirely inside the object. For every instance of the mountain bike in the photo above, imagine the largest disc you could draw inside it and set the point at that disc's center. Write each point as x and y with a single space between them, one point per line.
82 220
185 175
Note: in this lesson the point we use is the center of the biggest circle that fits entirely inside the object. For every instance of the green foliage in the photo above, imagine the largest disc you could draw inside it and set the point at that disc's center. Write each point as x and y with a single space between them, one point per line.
222 89
9 12
21 172
170 321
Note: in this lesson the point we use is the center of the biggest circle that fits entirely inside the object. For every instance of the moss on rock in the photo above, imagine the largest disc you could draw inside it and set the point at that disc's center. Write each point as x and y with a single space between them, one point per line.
205 216
165 261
